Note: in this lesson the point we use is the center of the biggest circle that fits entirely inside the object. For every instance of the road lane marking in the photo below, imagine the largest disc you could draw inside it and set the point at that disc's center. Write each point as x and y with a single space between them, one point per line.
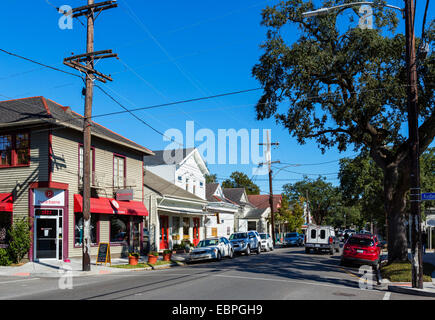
285 280
12 281
387 296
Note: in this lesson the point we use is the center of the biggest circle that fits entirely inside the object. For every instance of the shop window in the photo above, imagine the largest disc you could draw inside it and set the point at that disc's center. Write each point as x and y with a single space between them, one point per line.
214 232
78 229
186 227
5 225
14 150
119 229
119 171
176 228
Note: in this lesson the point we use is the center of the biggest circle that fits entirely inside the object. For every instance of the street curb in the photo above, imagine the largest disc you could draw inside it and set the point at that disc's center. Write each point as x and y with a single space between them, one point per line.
414 291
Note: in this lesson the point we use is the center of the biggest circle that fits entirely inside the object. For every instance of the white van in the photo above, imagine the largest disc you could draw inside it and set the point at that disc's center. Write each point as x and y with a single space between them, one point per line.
321 238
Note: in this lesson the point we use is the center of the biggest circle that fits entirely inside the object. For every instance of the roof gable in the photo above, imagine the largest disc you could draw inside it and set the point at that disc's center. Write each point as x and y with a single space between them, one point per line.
45 110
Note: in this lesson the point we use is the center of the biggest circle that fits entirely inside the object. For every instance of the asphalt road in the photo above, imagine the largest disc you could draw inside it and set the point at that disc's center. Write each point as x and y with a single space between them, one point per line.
284 274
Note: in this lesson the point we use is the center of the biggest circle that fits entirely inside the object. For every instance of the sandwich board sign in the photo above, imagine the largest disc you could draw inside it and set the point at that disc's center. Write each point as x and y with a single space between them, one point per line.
104 253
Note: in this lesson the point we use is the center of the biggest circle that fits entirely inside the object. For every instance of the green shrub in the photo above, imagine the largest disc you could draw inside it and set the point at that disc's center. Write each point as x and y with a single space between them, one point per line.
4 257
154 253
20 240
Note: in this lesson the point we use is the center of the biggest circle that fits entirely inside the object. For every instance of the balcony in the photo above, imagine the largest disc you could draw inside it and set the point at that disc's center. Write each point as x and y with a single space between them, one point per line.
98 181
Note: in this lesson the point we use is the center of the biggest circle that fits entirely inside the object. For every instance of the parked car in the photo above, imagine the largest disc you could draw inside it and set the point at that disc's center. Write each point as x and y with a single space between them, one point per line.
266 242
302 238
362 249
292 239
212 249
321 238
246 242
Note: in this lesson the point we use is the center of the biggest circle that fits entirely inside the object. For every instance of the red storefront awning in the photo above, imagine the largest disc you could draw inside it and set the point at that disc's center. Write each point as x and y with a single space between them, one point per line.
6 202
109 206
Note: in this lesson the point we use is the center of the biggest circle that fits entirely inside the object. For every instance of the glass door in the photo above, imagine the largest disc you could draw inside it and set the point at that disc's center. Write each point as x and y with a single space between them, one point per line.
46 238
48 234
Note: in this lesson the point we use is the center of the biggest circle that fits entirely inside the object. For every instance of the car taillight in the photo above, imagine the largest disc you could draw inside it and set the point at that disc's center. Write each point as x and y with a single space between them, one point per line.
330 240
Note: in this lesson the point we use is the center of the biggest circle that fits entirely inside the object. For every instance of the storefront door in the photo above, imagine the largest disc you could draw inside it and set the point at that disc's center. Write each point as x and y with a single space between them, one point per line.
195 231
164 232
48 234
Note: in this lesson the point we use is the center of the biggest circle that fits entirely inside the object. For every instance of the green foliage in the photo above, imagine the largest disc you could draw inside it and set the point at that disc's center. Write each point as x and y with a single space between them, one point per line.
154 253
347 88
427 175
167 251
4 257
20 240
323 197
134 254
210 178
241 180
296 220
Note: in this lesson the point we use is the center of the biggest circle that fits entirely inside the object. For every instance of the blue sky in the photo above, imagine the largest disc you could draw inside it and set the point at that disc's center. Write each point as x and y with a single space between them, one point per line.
169 51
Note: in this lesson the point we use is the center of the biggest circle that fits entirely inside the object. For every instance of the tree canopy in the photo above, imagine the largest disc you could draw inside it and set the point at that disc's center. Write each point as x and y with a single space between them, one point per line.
347 88
241 180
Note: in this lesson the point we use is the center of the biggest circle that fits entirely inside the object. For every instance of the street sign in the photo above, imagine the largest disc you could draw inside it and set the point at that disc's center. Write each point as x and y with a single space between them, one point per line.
428 196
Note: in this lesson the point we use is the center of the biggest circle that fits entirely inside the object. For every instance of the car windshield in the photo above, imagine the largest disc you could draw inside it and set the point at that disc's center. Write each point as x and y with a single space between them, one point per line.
365 242
207 243
238 236
263 236
291 235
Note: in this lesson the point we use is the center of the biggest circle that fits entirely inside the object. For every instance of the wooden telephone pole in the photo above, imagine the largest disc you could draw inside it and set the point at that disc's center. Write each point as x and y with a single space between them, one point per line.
85 63
414 152
269 163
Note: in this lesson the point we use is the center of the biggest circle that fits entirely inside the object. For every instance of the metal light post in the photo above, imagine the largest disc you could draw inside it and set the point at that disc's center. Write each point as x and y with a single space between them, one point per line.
415 195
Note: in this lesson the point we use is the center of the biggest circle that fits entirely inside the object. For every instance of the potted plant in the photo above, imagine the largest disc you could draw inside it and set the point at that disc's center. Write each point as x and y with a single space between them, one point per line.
167 254
133 258
152 257
187 245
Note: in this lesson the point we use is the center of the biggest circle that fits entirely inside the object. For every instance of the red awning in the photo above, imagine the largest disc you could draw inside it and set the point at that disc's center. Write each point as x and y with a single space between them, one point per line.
108 206
6 202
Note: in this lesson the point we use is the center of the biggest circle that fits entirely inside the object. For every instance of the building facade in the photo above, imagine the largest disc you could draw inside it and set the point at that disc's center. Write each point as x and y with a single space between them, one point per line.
41 177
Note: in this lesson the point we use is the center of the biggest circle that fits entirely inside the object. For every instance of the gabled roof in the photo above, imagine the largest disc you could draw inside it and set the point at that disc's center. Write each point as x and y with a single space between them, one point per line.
166 188
210 189
256 213
235 195
41 110
262 201
176 157
159 157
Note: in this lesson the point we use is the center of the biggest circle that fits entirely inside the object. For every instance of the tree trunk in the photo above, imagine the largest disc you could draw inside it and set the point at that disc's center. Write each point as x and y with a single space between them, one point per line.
396 186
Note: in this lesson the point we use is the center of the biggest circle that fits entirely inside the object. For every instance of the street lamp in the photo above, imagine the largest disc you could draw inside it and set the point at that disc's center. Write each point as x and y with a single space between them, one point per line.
415 194
323 11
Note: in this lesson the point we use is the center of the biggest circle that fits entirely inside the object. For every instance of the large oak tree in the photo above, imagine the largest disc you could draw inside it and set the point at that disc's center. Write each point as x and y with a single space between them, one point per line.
347 89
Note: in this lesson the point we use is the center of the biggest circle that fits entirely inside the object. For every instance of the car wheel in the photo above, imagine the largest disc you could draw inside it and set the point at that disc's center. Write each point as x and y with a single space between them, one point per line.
331 252
307 250
248 251
219 257
271 248
258 250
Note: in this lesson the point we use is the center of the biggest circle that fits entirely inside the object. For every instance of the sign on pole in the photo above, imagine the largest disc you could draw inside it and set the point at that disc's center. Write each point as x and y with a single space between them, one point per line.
428 196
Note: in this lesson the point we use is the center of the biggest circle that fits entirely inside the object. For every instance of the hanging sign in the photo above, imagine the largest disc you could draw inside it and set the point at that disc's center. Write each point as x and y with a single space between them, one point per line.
104 253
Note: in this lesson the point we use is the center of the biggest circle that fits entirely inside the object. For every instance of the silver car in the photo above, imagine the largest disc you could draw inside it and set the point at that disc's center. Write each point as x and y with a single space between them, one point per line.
212 249
266 242
246 242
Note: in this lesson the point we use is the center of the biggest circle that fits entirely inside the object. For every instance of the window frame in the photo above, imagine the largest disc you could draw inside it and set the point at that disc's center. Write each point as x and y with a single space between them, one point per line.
92 165
14 154
116 155
123 242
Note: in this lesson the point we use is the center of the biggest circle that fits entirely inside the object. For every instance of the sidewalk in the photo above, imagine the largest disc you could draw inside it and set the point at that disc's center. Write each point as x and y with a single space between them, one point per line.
56 269
428 288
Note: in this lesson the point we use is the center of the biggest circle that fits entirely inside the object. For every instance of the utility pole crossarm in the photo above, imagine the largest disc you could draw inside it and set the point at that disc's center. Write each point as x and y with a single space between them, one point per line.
84 10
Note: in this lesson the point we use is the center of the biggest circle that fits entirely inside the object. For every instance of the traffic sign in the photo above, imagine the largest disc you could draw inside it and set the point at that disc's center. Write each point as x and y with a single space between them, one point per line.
428 196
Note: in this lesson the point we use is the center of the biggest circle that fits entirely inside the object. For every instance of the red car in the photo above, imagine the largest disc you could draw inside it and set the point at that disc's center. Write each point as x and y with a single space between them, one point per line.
362 249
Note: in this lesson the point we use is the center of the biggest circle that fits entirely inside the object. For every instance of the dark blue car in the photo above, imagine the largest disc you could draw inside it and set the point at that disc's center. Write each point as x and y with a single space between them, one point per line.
292 239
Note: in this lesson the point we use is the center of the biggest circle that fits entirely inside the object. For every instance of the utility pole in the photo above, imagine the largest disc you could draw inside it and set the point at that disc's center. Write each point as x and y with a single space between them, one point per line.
85 63
414 152
269 163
